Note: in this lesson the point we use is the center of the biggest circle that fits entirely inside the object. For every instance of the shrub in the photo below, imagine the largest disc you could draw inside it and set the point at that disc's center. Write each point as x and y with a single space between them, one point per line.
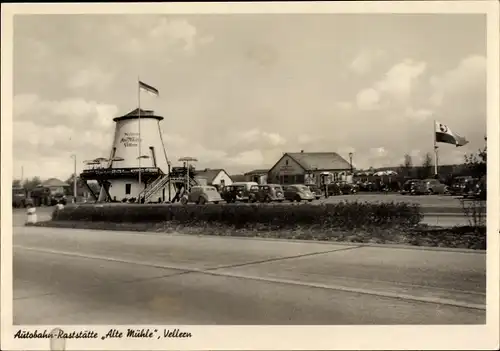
475 212
344 215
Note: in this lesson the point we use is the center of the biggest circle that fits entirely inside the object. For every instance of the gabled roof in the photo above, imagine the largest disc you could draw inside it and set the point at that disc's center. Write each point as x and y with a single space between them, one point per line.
319 160
257 171
209 174
238 177
54 182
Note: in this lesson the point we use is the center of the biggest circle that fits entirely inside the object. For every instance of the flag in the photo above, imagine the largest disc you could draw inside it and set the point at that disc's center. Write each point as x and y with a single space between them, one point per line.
148 88
445 135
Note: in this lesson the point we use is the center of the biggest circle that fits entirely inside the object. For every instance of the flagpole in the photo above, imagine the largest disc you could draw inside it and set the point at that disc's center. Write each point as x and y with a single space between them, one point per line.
139 114
435 149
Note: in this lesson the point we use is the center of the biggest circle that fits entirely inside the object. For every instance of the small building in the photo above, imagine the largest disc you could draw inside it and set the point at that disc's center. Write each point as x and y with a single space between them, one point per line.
56 186
214 177
257 175
306 167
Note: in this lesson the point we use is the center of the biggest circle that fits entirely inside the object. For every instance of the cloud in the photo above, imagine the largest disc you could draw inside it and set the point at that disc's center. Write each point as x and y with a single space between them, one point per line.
365 60
399 80
418 115
368 99
469 77
91 77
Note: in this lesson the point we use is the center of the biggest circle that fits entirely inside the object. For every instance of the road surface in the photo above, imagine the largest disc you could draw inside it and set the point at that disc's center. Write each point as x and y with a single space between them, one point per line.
64 276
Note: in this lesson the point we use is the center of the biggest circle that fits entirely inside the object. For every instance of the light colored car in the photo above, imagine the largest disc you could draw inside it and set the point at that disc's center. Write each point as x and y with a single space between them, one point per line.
434 186
202 195
298 192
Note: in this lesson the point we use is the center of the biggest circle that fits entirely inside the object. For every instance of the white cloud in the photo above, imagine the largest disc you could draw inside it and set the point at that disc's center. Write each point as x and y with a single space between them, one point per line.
399 80
469 77
91 76
344 105
379 151
418 115
368 99
364 62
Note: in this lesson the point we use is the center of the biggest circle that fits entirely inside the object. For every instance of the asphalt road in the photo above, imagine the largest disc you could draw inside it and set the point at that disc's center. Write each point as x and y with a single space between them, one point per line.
66 276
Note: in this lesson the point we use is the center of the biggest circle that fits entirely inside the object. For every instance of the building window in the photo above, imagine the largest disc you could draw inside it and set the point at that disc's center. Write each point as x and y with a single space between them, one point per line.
286 179
286 162
222 182
128 188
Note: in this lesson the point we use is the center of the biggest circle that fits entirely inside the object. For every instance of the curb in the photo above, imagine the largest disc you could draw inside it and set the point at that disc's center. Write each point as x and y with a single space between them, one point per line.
297 241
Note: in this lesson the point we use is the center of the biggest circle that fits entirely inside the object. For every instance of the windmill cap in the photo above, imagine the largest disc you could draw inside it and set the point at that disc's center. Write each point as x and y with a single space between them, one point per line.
135 114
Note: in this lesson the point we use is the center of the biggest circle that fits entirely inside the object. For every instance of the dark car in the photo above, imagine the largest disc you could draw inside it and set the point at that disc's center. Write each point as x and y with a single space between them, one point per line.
267 193
461 185
316 190
347 188
298 192
334 189
234 193
407 186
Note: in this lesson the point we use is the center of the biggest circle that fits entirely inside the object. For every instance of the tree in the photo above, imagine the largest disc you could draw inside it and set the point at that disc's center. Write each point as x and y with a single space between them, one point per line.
407 166
426 170
30 184
476 163
16 183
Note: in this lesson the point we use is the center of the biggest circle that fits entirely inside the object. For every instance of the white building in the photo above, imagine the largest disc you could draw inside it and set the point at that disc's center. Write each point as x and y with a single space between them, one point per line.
118 176
215 177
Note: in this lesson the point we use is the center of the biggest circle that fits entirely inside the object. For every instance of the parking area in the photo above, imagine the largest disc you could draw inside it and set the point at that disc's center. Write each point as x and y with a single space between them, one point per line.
445 201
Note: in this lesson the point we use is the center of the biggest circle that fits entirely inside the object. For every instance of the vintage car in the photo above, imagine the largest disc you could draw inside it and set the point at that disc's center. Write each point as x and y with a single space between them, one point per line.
234 193
298 192
267 193
202 195
407 186
478 190
461 185
333 189
20 197
434 186
347 188
316 190
419 187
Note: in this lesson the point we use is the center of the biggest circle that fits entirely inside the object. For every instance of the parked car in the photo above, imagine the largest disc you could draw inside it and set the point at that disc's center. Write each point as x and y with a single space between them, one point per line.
418 187
20 197
461 185
234 193
347 188
434 186
298 192
333 189
316 190
407 186
202 195
267 193
481 188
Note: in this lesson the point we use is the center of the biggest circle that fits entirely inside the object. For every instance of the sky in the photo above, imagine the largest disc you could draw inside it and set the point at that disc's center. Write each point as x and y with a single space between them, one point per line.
239 90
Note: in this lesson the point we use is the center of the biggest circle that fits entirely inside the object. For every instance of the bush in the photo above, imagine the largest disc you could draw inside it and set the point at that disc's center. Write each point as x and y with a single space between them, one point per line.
344 215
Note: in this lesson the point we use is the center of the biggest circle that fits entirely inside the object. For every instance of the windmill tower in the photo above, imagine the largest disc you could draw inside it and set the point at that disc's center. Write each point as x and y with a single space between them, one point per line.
130 172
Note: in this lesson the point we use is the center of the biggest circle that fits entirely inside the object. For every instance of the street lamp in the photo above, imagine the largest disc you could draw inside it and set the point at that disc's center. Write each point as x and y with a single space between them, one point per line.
350 160
74 178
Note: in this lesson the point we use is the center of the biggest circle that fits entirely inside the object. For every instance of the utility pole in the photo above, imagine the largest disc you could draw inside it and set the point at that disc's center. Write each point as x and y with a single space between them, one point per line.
74 178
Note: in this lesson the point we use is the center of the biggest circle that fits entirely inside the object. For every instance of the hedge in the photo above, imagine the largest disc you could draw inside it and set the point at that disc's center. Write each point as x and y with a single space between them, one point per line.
341 216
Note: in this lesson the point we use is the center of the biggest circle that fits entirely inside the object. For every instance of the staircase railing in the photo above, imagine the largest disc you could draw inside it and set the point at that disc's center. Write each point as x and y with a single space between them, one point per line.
156 181
151 190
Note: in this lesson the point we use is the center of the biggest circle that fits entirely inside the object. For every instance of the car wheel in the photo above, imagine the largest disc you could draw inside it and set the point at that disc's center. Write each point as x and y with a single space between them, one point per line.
298 199
310 200
184 201
216 202
201 201
280 201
